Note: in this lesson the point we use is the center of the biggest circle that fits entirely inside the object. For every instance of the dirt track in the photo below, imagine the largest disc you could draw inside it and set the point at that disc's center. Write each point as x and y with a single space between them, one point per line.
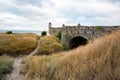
15 74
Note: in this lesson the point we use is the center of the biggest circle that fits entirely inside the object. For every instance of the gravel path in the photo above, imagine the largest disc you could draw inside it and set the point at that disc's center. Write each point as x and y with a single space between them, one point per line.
15 74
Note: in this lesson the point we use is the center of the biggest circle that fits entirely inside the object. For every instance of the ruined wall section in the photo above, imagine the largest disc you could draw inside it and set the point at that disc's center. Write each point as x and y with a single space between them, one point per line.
88 32
78 30
52 30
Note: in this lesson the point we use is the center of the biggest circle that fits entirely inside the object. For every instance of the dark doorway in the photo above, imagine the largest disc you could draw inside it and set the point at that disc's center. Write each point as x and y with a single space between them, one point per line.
77 41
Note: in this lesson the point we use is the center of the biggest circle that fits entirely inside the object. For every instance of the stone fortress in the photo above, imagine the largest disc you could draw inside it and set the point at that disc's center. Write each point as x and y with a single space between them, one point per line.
73 36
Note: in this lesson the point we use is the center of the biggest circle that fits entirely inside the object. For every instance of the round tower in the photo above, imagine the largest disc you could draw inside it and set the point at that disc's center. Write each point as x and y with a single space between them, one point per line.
63 25
79 25
49 27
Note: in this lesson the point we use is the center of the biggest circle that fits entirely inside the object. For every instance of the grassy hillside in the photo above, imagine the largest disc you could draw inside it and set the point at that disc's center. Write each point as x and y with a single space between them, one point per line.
49 44
98 60
15 44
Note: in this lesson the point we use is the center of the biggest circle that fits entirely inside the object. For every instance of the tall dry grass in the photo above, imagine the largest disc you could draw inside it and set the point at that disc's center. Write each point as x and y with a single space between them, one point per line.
15 44
49 44
98 60
6 63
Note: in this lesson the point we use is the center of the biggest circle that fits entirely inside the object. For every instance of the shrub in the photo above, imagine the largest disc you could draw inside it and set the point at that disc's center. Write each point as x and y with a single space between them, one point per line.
44 33
9 32
6 63
59 35
98 60
67 37
99 28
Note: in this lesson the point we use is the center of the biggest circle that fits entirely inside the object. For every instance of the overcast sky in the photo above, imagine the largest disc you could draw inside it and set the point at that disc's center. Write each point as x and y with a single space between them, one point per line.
36 14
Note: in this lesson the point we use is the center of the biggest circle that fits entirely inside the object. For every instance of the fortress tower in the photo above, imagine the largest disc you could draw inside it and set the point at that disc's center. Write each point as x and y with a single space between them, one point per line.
49 27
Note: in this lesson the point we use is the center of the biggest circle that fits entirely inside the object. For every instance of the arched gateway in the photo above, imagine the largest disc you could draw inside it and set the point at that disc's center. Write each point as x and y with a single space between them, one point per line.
77 41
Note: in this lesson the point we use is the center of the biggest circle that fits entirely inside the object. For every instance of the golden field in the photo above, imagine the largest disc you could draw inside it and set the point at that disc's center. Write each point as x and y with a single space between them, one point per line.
49 44
17 44
98 60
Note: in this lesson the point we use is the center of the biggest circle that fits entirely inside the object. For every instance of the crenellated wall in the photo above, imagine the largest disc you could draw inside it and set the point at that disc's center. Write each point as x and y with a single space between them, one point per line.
88 32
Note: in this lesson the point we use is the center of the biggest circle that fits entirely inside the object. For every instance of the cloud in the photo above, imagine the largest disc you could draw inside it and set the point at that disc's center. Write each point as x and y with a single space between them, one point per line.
92 12
35 14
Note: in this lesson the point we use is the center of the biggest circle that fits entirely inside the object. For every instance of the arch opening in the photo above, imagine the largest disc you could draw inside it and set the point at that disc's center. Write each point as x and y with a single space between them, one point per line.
77 41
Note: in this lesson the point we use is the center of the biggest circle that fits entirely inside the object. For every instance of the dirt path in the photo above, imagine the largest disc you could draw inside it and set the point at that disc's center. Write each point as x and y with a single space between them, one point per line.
15 74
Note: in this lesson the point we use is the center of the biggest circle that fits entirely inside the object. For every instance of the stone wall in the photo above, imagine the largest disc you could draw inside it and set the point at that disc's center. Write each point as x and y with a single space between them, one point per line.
88 32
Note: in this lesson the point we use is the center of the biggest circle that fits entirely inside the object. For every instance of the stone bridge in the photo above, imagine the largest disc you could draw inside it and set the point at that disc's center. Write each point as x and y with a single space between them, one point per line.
73 36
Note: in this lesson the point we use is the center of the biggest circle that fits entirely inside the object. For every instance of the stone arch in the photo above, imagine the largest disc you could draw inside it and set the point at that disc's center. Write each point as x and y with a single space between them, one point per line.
77 41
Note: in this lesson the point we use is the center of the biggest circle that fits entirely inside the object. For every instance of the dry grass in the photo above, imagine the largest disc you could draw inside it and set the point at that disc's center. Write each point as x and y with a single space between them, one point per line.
99 60
5 64
49 44
15 44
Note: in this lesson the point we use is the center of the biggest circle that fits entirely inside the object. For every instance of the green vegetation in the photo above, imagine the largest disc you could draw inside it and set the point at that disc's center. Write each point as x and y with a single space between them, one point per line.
49 44
59 35
44 33
16 44
98 60
9 32
67 37
99 27
5 64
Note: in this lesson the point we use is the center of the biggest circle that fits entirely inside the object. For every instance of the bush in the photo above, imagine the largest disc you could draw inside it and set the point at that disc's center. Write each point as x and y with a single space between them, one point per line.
9 32
44 33
99 28
59 35
6 63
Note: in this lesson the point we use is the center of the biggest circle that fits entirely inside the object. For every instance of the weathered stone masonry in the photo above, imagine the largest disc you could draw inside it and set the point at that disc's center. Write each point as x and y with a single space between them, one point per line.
88 32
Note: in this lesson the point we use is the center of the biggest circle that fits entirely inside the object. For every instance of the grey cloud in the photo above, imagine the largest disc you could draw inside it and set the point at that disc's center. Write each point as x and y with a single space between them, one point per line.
32 2
114 0
39 3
